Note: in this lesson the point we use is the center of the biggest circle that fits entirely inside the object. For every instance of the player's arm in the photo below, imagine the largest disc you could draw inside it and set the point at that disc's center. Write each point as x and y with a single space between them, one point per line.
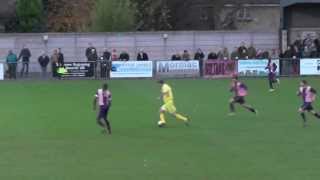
95 102
110 99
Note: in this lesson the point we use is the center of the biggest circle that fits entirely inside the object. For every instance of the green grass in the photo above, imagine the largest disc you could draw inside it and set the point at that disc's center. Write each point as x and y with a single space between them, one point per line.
48 132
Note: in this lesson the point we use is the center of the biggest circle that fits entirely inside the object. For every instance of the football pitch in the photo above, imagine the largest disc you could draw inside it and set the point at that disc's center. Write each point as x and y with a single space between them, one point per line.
48 131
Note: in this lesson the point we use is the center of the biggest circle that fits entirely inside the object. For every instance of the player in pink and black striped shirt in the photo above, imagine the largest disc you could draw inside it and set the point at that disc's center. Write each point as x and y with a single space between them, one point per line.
240 92
103 99
308 95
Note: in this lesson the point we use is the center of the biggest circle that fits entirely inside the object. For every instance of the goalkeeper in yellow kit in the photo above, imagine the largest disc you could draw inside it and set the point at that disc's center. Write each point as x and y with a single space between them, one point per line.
169 107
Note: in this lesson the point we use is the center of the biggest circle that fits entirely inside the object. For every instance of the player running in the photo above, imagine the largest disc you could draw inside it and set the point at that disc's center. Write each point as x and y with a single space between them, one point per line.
103 99
272 76
240 92
308 95
169 107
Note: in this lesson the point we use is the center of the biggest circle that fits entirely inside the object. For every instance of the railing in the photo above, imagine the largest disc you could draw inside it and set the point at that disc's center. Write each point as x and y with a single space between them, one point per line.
158 69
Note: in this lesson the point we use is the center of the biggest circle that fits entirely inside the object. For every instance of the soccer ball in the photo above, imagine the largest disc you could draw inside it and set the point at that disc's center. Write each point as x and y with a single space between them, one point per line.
161 124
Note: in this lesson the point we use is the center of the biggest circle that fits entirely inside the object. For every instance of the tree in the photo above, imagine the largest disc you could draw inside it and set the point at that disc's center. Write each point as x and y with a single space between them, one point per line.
69 15
153 15
113 15
29 15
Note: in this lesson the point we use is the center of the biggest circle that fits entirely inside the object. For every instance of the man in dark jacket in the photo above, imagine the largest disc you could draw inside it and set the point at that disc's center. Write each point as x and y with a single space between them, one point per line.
199 55
91 52
142 56
44 61
25 55
60 58
106 64
124 56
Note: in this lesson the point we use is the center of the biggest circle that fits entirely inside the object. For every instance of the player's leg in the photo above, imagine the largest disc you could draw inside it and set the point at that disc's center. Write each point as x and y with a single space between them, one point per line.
101 119
162 120
316 114
303 115
242 102
107 120
270 79
232 102
249 108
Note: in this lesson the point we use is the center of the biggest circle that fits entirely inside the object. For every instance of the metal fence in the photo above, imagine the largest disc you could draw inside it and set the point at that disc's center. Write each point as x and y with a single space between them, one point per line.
158 45
159 69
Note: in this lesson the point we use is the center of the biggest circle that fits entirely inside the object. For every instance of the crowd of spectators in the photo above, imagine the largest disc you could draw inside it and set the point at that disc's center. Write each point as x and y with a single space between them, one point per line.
241 52
307 47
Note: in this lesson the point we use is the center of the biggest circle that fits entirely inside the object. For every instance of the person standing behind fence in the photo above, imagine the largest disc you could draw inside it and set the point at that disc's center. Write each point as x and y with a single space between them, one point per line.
106 64
25 55
60 58
114 55
44 61
186 56
55 63
91 51
142 56
199 55
12 64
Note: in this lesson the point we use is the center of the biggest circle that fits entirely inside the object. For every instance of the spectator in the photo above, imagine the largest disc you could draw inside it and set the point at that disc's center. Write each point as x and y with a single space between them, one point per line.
114 55
44 61
260 54
55 63
308 41
313 51
296 52
176 57
91 52
317 44
220 54
212 56
12 64
106 54
306 52
243 51
142 56
225 53
274 54
235 54
60 58
25 55
299 43
93 56
199 55
252 52
288 53
186 56
124 56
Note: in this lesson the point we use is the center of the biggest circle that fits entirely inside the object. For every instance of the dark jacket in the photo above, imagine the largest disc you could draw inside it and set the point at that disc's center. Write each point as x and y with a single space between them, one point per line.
44 61
89 53
106 55
25 54
124 57
142 57
199 56
60 59
212 56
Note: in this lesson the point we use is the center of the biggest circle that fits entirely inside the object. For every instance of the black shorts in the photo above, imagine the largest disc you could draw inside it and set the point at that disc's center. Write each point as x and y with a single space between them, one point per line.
307 106
239 99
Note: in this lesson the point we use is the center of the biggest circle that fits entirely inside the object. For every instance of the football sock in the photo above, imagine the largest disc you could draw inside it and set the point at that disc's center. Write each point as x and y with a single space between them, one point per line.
317 115
303 115
162 119
108 126
271 84
180 117
232 107
251 109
